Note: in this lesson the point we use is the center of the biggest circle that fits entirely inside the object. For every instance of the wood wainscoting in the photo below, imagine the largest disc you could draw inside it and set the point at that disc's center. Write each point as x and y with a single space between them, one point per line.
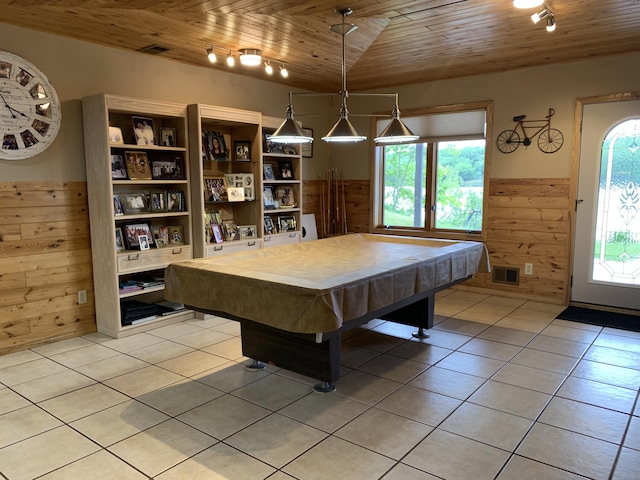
45 259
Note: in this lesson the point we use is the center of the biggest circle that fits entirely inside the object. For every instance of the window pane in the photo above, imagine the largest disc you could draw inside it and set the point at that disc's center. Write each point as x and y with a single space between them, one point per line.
404 185
459 185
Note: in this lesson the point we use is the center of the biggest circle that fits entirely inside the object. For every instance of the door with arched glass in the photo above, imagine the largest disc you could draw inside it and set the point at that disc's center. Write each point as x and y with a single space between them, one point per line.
606 261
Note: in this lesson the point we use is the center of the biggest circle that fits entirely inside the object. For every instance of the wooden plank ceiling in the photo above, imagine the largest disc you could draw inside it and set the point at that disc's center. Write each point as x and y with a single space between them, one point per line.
397 41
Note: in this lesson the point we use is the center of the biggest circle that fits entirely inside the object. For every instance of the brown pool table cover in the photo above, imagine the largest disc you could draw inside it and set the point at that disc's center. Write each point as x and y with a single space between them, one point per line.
313 287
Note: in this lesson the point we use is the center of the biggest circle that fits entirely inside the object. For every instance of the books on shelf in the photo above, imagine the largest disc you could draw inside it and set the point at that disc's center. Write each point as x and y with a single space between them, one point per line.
132 285
135 311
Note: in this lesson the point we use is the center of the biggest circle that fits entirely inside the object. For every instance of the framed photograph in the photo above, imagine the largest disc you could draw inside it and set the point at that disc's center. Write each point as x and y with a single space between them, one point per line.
306 149
215 146
134 203
287 224
235 194
143 130
269 227
242 151
117 206
286 170
175 201
162 237
168 136
270 147
176 235
167 169
230 230
144 242
267 197
215 190
118 168
138 167
119 240
247 231
286 196
268 171
132 233
240 180
115 136
216 233
290 149
158 201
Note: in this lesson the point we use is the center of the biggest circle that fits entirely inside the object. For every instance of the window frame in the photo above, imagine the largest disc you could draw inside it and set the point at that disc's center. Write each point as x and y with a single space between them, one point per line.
429 231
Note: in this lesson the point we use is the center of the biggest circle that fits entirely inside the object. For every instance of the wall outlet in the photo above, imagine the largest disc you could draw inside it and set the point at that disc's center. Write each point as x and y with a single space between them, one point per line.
528 268
82 297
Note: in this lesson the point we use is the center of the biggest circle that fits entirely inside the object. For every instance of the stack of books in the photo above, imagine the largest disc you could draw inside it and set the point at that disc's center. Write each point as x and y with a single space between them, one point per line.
127 286
169 308
135 311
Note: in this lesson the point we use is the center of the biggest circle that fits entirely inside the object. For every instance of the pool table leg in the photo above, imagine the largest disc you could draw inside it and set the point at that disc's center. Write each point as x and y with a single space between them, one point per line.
418 314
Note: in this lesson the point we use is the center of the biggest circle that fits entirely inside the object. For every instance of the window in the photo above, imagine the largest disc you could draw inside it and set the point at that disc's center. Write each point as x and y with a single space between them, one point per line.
435 187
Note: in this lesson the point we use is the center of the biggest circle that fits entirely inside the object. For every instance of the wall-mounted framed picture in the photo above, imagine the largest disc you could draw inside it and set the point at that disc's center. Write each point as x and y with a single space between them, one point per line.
306 149
143 130
138 167
168 136
242 151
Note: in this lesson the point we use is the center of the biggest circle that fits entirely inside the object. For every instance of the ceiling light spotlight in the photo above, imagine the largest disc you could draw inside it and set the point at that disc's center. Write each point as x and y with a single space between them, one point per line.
536 17
283 71
230 60
211 55
527 3
250 57
551 23
268 68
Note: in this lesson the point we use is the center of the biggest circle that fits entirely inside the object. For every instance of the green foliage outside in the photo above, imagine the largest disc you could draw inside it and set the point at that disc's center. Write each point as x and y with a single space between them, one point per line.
459 185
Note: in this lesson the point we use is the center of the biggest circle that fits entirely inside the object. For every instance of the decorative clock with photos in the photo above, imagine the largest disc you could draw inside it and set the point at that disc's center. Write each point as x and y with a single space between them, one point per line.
30 113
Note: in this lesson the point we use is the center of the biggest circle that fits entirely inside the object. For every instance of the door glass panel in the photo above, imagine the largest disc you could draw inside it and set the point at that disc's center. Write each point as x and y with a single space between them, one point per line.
617 236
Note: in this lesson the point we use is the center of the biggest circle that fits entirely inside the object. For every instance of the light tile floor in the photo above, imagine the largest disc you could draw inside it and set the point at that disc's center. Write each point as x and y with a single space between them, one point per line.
501 390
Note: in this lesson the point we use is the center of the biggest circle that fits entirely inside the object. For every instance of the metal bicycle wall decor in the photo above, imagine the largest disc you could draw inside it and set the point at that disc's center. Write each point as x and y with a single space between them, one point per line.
549 139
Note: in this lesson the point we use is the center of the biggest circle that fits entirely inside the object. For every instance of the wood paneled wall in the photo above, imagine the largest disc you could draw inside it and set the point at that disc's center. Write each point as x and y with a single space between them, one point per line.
45 259
528 221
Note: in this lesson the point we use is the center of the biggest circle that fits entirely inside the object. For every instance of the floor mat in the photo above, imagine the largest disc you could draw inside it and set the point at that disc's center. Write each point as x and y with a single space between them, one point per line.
601 318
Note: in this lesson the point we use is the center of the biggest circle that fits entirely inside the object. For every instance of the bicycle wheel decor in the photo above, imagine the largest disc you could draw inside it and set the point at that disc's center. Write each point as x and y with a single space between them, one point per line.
550 140
508 141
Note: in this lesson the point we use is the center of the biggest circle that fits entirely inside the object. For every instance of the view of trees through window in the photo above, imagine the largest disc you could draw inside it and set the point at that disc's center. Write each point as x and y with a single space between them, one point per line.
458 184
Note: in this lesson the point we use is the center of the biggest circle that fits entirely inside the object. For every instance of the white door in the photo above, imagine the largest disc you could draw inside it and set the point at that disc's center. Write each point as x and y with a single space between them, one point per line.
606 256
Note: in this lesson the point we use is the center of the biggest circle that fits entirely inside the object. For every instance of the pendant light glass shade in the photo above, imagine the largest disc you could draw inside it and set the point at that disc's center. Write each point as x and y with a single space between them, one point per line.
289 131
527 3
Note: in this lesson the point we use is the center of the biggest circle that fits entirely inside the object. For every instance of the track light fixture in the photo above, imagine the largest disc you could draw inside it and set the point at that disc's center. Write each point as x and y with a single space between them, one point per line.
547 14
249 57
343 131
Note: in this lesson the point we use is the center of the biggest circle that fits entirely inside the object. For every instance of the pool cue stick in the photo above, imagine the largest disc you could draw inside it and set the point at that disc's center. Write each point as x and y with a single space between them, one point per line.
322 230
344 205
337 192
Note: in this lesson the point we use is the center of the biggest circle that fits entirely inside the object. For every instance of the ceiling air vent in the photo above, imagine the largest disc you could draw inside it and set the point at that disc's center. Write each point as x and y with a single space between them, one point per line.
153 49
510 276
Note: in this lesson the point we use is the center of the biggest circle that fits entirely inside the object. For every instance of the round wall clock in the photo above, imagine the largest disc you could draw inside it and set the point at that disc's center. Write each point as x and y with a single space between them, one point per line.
29 109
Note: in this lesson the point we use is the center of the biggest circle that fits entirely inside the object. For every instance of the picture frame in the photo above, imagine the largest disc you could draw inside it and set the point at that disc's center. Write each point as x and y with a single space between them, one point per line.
287 224
268 172
269 227
144 133
168 136
133 231
235 194
119 240
285 170
306 149
175 201
286 196
216 233
117 207
176 235
138 167
267 197
241 180
158 200
231 232
162 237
135 203
115 136
168 169
270 147
290 149
118 168
247 232
215 146
143 240
215 189
242 151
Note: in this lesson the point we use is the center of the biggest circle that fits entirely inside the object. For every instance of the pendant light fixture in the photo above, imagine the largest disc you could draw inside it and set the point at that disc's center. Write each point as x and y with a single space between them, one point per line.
343 131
